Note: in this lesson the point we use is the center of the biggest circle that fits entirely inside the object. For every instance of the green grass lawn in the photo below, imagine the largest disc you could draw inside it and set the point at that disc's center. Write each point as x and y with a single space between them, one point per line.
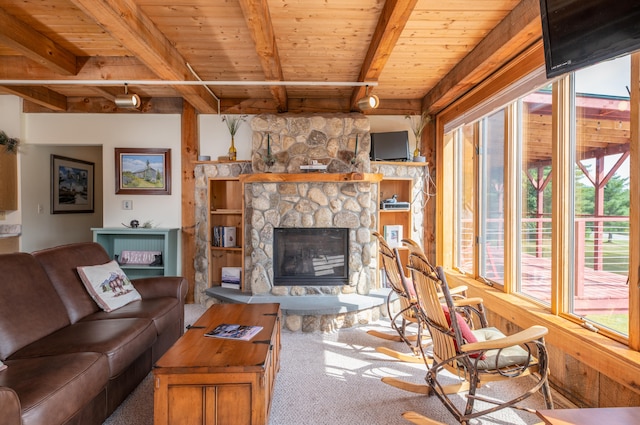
616 322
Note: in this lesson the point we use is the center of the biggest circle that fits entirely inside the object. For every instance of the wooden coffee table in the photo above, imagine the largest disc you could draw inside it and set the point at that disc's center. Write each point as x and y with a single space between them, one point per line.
204 380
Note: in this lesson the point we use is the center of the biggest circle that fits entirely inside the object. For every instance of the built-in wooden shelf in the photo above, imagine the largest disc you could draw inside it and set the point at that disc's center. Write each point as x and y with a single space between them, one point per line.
310 177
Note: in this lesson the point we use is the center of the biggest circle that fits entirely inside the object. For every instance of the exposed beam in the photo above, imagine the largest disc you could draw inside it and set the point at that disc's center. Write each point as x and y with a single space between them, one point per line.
135 30
101 105
393 18
256 13
39 95
34 45
89 68
517 31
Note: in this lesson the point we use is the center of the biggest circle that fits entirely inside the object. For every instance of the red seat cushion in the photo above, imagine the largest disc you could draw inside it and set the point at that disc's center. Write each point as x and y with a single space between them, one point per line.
467 334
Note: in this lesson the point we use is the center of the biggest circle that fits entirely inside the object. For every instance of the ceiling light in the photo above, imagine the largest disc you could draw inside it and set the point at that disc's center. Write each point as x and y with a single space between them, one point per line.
127 100
368 101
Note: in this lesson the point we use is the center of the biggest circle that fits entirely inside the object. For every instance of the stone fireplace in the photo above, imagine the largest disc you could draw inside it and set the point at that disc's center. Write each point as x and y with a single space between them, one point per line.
279 195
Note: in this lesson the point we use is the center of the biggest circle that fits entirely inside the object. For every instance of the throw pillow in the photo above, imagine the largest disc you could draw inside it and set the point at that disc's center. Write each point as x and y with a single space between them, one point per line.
467 334
107 284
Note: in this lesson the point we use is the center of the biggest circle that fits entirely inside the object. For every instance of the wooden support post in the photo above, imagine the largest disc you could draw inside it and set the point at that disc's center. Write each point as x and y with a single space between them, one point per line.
188 156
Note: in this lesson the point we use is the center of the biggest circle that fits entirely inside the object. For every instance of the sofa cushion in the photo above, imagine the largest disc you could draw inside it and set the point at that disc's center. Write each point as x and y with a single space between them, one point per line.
60 264
30 306
108 285
121 340
164 312
52 389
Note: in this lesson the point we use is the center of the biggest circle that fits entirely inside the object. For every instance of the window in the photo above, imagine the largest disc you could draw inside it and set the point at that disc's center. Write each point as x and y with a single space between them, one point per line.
601 195
574 218
491 193
465 142
535 220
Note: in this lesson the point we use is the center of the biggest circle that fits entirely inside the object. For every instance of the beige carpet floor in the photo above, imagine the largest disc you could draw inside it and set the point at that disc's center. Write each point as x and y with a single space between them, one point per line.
328 379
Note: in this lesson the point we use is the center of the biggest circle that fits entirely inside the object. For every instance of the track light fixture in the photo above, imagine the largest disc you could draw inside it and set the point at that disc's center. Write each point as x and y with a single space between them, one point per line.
368 101
126 100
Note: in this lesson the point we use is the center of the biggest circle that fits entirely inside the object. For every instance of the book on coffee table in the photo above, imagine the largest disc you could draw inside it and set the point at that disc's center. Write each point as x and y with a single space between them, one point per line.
241 332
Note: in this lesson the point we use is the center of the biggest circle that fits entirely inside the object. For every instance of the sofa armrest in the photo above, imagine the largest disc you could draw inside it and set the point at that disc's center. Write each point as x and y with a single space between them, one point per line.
162 286
10 407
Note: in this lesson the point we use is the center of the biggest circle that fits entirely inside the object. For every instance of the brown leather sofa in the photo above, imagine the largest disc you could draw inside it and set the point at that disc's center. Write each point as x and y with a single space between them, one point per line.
69 362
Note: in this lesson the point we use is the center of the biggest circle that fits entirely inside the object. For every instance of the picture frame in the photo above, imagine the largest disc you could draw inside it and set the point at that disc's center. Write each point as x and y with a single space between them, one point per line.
393 235
142 171
72 185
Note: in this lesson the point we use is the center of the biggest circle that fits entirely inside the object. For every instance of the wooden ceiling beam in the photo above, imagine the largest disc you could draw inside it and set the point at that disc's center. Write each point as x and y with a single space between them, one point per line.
393 18
126 23
256 13
34 45
517 31
39 95
89 68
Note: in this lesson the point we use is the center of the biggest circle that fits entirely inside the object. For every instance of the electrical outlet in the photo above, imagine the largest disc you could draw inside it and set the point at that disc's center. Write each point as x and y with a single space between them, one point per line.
127 205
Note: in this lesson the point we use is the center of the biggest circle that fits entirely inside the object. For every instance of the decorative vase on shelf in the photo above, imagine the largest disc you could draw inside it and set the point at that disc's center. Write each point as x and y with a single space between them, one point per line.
232 151
233 123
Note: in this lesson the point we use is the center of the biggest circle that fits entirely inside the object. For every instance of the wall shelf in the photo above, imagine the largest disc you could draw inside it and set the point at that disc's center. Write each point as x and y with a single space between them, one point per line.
116 240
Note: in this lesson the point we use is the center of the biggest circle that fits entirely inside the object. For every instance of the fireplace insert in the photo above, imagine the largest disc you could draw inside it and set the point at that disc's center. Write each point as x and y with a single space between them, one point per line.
311 256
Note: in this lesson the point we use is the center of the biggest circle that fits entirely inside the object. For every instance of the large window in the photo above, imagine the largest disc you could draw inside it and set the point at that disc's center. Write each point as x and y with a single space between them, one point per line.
534 119
574 217
601 194
491 194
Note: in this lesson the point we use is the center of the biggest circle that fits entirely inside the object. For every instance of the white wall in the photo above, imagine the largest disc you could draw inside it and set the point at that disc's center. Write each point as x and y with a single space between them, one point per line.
118 131
40 228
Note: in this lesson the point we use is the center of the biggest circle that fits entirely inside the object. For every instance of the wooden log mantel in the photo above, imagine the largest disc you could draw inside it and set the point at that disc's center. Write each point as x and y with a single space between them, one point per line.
310 177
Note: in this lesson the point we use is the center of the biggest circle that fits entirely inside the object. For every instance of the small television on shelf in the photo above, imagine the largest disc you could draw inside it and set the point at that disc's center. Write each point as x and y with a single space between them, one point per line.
580 33
390 146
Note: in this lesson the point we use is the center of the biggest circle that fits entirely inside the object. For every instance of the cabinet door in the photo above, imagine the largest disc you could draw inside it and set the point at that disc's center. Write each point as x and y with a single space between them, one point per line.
9 179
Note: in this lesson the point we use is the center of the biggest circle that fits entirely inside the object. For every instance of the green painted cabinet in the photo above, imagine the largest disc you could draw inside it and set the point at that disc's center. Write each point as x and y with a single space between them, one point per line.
115 241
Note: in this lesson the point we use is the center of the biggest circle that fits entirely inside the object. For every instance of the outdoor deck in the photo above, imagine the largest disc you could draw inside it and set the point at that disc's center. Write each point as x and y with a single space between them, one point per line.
600 293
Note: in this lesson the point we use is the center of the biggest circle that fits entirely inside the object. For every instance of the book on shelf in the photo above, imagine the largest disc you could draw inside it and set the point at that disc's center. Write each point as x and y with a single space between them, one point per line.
393 235
233 331
224 236
231 277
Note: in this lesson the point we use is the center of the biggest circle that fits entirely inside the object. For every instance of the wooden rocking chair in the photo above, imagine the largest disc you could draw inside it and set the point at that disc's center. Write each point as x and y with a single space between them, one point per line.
402 288
474 356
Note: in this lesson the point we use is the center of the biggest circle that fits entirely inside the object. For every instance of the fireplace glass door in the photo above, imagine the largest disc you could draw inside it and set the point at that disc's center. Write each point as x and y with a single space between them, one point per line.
311 256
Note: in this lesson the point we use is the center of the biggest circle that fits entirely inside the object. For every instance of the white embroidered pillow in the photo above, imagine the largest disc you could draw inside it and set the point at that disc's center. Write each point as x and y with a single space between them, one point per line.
108 285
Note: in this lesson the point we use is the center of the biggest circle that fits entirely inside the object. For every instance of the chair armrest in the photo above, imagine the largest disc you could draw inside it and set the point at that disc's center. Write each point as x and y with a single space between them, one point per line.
162 286
474 301
10 407
455 290
528 335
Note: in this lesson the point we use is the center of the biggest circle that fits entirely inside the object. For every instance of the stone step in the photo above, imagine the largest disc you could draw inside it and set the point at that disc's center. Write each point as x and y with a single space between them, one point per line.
307 305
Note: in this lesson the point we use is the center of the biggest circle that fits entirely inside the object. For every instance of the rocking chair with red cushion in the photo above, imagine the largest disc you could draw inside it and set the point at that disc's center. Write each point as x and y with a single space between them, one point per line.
491 357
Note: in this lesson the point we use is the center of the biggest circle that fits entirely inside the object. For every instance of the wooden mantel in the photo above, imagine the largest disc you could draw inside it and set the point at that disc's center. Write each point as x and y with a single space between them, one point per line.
311 177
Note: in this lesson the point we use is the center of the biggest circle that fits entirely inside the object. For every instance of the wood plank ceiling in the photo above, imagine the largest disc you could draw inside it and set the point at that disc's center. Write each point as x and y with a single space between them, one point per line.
421 53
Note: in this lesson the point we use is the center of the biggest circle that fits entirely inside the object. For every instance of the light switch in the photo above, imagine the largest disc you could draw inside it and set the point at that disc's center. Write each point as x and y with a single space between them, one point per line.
127 205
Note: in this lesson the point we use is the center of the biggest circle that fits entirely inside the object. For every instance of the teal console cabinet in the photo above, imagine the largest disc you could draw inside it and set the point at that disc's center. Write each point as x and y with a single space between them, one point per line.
115 240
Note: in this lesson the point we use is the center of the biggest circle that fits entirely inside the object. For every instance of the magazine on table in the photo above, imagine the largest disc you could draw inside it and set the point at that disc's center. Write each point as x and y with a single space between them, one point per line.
241 332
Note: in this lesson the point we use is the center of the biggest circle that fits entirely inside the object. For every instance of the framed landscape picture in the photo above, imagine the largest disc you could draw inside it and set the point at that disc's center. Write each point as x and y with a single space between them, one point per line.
141 171
71 185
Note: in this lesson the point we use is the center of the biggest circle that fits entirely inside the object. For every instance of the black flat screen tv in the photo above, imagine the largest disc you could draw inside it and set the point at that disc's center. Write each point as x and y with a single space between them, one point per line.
580 33
390 146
